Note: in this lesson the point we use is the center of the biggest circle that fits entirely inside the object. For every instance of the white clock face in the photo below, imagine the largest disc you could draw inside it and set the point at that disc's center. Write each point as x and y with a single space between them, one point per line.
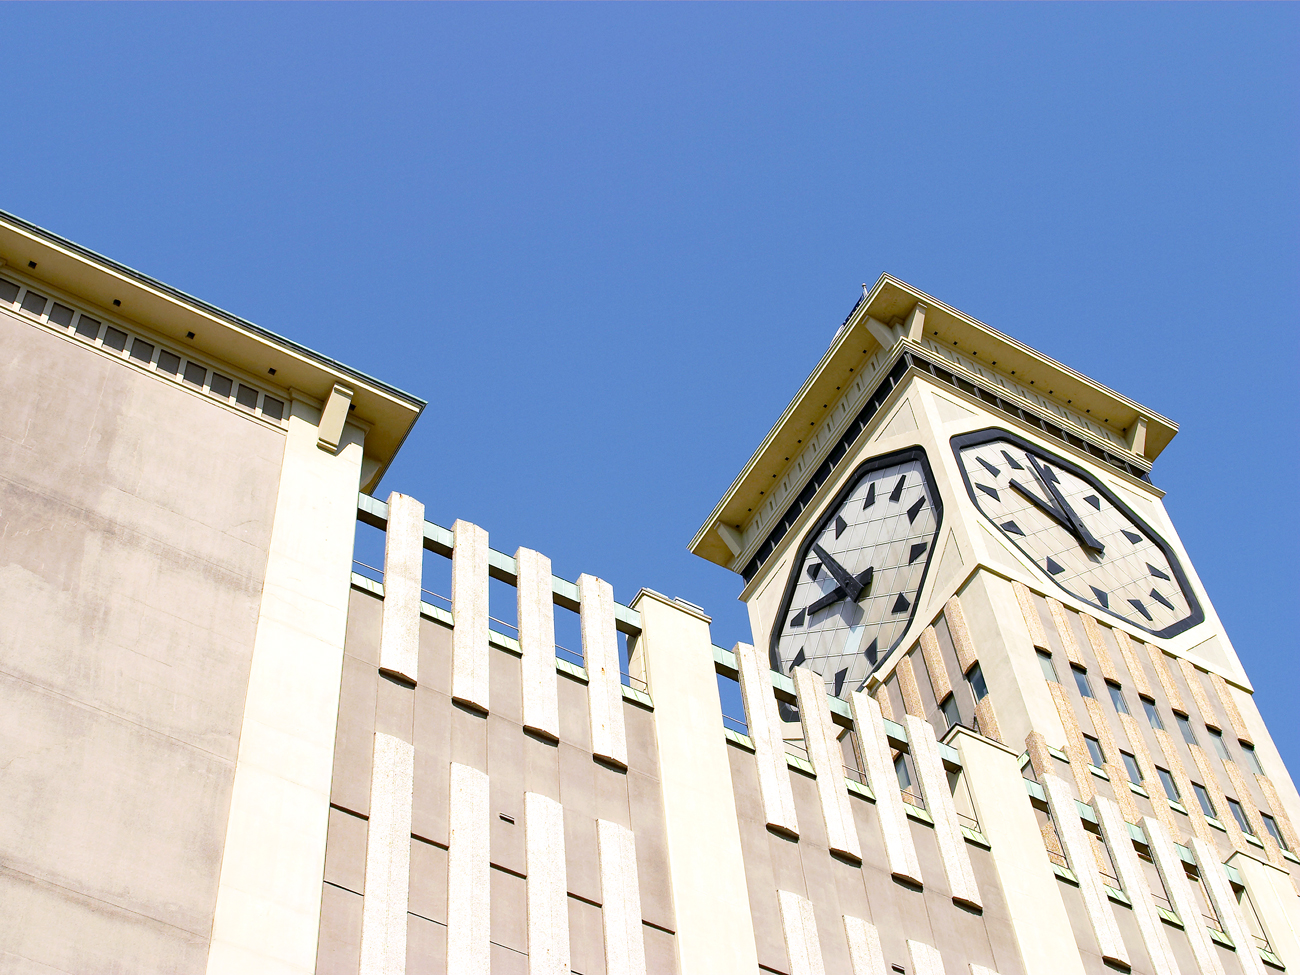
1077 532
855 582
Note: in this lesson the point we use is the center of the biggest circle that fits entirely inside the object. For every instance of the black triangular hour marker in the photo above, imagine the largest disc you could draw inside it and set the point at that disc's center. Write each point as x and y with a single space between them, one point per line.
901 605
991 492
1102 597
798 618
1161 600
871 496
988 467
917 551
897 493
1053 567
1011 461
1137 604
871 653
1156 572
1130 536
798 659
1093 500
915 510
840 525
814 571
1011 526
839 680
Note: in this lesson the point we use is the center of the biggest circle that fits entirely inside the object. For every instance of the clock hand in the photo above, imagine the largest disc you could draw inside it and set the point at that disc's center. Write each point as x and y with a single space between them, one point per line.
835 595
1080 530
1049 509
841 575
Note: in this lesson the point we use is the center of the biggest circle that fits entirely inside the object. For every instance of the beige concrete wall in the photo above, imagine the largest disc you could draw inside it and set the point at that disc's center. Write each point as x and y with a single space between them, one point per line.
135 520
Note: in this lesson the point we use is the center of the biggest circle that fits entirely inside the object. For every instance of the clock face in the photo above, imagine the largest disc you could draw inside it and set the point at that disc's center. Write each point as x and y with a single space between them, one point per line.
1079 534
859 571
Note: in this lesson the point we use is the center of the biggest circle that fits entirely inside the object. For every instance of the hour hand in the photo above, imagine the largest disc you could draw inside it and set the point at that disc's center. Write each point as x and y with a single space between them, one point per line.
841 575
1076 526
1039 502
835 595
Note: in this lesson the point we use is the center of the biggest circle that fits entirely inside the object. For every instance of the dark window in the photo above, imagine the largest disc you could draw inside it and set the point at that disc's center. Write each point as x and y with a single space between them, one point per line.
1239 815
1203 798
169 362
951 715
141 350
1131 766
195 373
977 685
1185 727
904 776
114 338
8 291
1251 758
1081 680
1153 716
1094 750
1270 824
1117 698
88 327
61 315
246 397
1220 746
1170 786
1049 669
34 303
272 407
221 385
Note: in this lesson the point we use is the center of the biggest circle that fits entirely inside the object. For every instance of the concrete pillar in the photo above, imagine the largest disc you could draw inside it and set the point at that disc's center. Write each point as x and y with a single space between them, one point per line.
715 931
469 610
827 761
1215 881
764 724
799 925
388 858
926 959
900 851
536 608
1273 894
620 893
267 912
865 954
548 898
1174 877
1114 830
938 799
469 874
1006 818
399 641
604 683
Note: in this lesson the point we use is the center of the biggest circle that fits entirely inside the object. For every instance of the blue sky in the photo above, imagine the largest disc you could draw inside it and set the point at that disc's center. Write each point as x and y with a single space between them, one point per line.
607 243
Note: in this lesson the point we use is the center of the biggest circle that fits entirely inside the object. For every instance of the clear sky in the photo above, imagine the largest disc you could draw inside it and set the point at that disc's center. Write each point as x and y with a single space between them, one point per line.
608 242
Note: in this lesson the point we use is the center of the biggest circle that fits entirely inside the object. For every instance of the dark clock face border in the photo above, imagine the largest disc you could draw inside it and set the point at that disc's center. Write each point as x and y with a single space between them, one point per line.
989 434
832 508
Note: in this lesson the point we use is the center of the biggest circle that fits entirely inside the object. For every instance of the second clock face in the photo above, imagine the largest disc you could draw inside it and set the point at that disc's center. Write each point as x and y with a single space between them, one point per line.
1079 534
859 571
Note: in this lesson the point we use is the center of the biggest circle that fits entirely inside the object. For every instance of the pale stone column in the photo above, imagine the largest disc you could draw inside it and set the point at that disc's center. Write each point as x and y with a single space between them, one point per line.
469 874
715 930
536 605
604 683
938 799
399 641
799 925
764 723
388 858
926 959
267 911
1038 917
620 893
865 954
469 611
1170 866
1078 848
825 755
900 851
1273 894
1226 906
1115 832
548 898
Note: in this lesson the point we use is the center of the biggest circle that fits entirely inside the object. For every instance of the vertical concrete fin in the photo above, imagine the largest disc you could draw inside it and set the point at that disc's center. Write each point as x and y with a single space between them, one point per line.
334 416
1174 877
621 893
900 852
926 959
469 879
388 858
802 945
1115 831
827 761
1226 906
469 610
399 640
547 888
1078 849
938 799
605 684
541 707
865 954
765 731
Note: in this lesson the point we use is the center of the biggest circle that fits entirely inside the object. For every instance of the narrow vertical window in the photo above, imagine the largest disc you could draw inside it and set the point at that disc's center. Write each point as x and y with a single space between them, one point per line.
1153 716
1049 669
1081 680
1251 758
901 770
1131 766
977 685
1185 727
1239 815
950 713
1220 746
1270 824
1117 698
1167 781
1094 751
1203 798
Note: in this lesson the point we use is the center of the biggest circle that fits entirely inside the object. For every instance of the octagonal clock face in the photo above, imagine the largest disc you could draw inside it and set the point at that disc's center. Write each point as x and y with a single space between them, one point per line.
859 571
1076 532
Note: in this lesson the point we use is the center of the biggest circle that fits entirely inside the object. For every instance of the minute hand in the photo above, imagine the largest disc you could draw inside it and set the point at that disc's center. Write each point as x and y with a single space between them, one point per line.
840 574
1080 529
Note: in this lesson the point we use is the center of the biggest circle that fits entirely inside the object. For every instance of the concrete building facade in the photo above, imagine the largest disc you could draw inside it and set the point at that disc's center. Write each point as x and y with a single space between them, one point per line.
992 723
